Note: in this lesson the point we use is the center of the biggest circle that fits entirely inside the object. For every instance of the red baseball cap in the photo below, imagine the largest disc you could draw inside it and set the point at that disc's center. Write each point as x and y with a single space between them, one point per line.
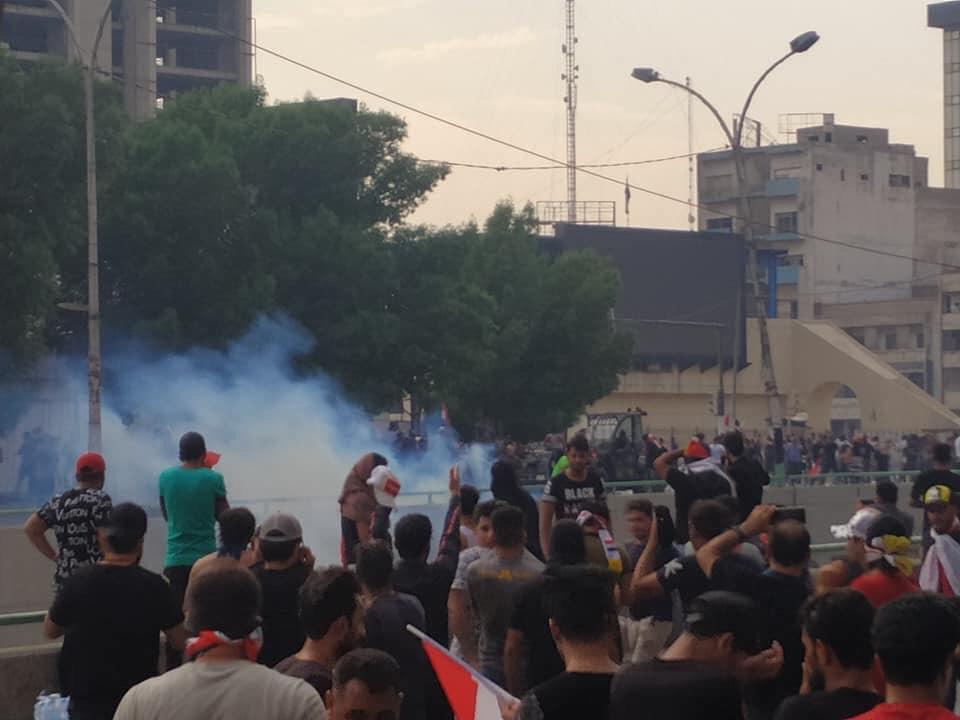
91 462
696 451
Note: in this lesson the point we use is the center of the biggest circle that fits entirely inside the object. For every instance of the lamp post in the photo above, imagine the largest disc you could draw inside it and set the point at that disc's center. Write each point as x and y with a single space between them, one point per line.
95 436
799 44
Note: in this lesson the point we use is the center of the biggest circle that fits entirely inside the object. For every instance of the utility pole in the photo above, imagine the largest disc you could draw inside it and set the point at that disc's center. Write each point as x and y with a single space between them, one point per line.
94 430
570 77
691 220
799 44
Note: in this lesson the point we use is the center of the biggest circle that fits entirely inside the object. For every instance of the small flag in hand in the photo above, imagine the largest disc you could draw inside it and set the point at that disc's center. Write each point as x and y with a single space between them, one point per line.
471 696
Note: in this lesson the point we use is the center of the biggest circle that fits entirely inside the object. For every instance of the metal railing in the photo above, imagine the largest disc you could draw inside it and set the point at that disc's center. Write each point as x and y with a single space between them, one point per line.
22 618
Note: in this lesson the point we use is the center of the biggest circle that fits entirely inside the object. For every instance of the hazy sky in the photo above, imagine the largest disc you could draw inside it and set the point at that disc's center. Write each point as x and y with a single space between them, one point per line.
496 66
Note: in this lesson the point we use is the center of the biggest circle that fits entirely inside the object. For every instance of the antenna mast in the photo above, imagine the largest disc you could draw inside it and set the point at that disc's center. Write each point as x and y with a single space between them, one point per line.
570 76
690 217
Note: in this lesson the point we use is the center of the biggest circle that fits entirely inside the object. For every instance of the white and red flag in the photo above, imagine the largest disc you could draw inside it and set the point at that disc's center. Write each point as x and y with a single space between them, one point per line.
470 694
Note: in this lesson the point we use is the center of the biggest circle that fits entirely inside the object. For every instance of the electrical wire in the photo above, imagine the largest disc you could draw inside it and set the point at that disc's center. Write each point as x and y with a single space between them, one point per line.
554 161
504 168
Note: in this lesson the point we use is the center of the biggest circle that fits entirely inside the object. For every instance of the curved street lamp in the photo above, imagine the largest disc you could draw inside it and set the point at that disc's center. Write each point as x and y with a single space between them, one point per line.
95 436
799 44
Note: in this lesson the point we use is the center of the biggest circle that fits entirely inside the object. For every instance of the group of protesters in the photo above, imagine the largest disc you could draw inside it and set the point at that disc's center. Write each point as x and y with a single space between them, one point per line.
710 609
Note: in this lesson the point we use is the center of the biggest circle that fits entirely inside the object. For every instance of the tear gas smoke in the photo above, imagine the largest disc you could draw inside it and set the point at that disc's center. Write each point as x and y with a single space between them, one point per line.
287 441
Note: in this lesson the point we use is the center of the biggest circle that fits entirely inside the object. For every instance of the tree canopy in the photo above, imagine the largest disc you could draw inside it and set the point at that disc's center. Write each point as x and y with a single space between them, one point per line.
223 208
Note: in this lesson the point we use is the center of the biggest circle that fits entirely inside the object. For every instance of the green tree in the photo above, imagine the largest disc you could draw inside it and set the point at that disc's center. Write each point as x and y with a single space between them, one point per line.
42 199
555 349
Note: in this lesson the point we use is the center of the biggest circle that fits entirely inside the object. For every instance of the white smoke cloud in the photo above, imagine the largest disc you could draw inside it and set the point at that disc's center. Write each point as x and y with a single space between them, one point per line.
287 442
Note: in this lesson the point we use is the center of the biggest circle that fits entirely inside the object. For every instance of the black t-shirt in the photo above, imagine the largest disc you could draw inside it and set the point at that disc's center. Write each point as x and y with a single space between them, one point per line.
543 659
779 599
568 696
750 478
315 674
834 705
282 634
386 621
113 616
674 690
570 496
686 577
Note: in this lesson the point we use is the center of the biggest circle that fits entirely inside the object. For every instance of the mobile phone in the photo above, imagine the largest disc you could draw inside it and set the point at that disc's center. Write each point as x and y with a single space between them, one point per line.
790 513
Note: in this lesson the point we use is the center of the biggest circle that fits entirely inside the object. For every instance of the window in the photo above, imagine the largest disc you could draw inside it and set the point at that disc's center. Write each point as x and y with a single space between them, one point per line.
813 138
864 177
857 333
900 181
890 340
828 137
724 224
794 309
843 174
862 139
819 166
785 222
919 339
916 379
790 261
951 303
951 341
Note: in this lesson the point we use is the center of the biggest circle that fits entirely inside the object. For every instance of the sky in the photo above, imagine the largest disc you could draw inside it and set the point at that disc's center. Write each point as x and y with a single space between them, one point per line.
496 67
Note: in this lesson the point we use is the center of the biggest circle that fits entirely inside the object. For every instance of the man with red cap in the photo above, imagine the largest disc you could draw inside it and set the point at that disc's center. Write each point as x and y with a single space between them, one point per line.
696 479
75 517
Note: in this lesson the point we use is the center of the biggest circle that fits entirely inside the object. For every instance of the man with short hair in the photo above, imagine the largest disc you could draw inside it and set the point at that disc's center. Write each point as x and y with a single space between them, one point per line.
237 528
332 618
838 659
565 494
886 504
75 517
779 592
582 616
366 686
385 622
941 474
287 563
696 678
708 519
112 614
747 474
224 680
461 621
915 638
429 582
494 583
469 498
941 566
192 498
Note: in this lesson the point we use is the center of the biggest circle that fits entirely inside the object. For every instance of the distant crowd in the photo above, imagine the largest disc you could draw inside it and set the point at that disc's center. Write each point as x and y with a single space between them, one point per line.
709 609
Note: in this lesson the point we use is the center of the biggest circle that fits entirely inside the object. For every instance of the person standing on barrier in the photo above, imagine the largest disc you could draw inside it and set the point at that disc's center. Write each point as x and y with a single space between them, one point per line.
192 499
76 518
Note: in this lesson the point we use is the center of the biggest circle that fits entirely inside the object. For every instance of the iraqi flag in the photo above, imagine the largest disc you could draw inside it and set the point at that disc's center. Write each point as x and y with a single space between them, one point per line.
471 696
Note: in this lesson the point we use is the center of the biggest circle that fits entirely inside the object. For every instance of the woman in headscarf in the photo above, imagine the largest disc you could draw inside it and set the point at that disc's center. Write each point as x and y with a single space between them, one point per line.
358 506
506 487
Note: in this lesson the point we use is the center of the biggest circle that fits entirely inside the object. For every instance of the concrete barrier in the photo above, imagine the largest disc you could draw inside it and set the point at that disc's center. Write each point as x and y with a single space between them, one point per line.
25 672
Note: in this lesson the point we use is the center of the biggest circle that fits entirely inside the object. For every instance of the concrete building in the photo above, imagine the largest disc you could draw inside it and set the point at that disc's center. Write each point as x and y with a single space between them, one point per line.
842 183
155 49
946 16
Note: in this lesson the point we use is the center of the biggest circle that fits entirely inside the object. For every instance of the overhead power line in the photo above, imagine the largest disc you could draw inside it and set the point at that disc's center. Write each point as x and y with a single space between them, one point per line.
554 161
625 163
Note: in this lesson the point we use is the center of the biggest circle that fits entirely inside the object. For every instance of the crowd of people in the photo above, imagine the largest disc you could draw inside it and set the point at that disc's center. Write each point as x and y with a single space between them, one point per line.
710 609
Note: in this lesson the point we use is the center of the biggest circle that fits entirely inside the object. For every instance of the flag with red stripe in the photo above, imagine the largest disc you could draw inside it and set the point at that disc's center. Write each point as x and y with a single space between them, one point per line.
471 696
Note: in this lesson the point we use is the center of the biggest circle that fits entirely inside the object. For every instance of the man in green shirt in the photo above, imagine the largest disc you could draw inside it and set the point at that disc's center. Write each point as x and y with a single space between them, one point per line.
192 497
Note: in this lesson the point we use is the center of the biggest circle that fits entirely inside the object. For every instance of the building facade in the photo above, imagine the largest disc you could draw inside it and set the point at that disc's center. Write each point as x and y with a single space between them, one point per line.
946 16
155 49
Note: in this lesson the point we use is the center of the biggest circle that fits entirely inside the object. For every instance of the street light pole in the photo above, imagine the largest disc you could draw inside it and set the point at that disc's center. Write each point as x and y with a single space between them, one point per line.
95 434
799 44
